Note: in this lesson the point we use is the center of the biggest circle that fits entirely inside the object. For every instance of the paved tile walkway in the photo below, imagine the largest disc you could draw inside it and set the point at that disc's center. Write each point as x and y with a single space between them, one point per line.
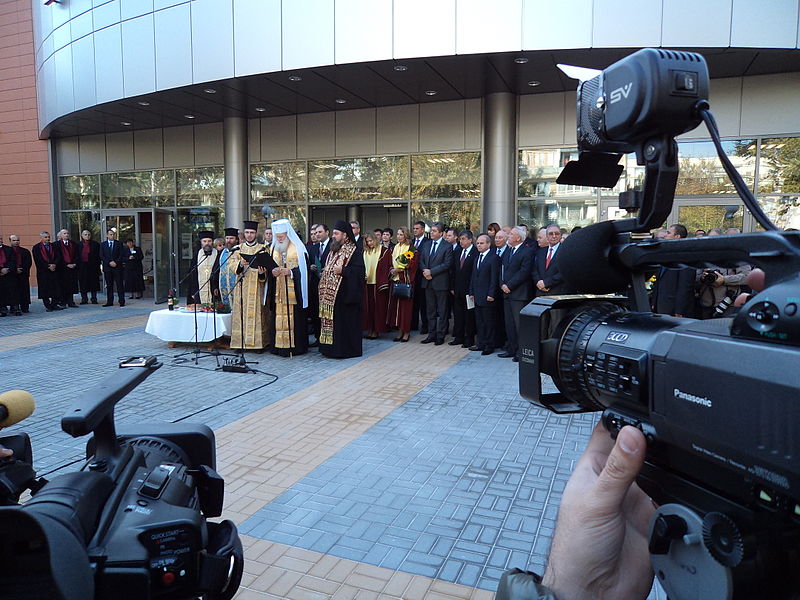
411 472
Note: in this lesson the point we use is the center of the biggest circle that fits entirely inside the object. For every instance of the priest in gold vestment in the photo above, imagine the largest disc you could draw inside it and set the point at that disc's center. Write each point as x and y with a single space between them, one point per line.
250 317
288 291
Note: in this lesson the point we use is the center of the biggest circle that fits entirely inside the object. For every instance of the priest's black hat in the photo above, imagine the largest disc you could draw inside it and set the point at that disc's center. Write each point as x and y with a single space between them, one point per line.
231 231
206 234
345 227
251 225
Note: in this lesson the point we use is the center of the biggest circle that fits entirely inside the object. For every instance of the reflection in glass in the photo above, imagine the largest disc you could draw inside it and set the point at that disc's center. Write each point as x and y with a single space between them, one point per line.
162 253
201 187
358 179
80 191
783 210
779 167
701 172
708 217
461 214
279 182
137 189
77 221
538 170
448 175
567 213
192 221
296 215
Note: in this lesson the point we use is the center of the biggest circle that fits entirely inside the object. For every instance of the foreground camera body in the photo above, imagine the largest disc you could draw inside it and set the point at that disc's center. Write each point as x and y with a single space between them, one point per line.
132 524
716 399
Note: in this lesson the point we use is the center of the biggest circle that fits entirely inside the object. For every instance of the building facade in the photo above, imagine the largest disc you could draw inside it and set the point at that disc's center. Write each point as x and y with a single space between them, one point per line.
165 117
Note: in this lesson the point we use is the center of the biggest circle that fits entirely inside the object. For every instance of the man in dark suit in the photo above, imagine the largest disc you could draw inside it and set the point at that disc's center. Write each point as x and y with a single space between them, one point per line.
23 260
436 260
359 239
515 284
484 291
111 258
47 260
546 275
463 319
673 293
318 250
419 312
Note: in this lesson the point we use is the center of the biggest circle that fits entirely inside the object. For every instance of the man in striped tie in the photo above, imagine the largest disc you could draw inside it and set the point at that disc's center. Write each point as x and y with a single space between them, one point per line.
546 275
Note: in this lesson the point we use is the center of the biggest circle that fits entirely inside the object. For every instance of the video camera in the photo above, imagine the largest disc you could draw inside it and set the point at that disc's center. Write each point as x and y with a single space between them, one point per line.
132 523
716 400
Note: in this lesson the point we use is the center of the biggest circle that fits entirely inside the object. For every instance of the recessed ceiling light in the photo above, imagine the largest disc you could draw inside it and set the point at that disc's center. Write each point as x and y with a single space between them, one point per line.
534 83
431 92
210 91
400 68
341 101
260 109
143 103
520 60
126 123
189 116
295 78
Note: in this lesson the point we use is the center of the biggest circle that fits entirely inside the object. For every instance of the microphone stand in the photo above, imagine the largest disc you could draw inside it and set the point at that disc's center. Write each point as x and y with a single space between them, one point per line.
195 296
243 362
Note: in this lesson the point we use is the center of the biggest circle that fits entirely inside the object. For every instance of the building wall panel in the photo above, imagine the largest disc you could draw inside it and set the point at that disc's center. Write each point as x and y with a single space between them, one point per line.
179 146
363 30
316 135
279 138
138 56
212 21
488 26
256 36
398 129
441 126
148 149
355 132
308 31
173 47
119 151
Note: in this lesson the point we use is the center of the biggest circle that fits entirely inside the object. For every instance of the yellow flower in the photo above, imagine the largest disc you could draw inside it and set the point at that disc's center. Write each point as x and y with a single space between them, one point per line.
408 254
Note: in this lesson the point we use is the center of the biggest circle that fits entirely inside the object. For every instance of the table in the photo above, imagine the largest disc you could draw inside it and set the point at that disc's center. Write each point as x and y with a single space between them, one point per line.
178 325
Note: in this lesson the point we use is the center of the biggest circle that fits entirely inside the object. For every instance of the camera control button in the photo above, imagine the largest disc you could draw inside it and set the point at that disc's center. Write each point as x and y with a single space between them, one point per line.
790 309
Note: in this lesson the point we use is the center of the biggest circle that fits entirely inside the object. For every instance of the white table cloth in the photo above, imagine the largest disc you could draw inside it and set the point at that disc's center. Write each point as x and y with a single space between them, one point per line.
178 325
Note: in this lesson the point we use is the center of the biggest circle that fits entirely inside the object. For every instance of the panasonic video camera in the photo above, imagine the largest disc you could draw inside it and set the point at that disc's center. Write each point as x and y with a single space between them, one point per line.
132 523
717 400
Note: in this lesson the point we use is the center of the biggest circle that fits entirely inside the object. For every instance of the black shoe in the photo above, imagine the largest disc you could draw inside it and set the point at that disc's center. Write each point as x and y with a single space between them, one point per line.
505 355
107 304
314 344
25 310
477 348
121 304
84 302
428 341
455 342
423 331
487 352
94 300
438 342
49 309
515 359
73 305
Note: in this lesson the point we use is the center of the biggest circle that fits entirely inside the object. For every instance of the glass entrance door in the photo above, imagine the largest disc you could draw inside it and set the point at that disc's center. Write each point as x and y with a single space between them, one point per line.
152 230
163 254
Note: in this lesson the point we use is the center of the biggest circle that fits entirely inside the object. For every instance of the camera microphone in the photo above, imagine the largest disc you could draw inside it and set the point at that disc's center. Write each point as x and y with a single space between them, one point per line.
15 405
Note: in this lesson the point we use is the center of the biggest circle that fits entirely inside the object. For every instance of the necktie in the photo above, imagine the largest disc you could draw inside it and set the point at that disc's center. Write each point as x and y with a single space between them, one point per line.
549 258
463 257
109 243
433 247
416 243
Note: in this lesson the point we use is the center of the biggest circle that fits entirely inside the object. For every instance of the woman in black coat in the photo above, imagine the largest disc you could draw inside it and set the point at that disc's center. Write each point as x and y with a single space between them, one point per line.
132 258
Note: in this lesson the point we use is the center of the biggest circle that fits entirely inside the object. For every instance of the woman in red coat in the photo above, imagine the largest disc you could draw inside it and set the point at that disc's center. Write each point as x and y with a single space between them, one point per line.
377 261
403 271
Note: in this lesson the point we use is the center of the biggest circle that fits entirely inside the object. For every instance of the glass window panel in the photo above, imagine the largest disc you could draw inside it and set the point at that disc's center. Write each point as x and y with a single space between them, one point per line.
137 189
709 216
783 210
779 166
295 213
358 179
451 175
701 172
201 187
80 191
567 212
461 214
279 182
538 170
192 221
77 221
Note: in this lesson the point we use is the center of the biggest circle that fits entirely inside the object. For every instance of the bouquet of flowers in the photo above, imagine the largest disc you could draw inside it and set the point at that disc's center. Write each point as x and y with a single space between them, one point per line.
218 307
405 258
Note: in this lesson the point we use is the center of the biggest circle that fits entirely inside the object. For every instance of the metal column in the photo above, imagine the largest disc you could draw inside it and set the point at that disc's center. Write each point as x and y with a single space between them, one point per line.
499 158
234 133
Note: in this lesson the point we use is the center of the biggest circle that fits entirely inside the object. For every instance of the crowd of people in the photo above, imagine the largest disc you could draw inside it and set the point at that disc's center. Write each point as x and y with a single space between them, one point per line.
65 268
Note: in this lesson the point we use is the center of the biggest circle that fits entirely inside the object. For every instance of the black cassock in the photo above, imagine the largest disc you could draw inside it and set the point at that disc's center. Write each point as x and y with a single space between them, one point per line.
194 287
347 311
8 281
132 269
89 270
67 278
24 261
46 280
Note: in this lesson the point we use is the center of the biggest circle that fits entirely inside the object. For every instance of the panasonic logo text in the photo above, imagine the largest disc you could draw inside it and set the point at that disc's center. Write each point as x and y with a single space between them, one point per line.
620 93
692 398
